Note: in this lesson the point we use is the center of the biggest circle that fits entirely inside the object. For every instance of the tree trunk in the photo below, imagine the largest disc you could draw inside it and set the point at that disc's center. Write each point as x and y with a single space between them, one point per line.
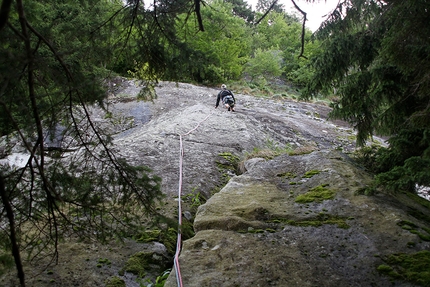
15 246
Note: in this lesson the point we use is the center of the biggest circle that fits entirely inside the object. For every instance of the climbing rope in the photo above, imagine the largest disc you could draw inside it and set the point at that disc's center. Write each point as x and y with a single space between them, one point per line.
179 239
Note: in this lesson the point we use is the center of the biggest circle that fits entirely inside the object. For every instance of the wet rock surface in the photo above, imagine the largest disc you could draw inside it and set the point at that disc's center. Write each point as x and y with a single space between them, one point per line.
257 123
252 230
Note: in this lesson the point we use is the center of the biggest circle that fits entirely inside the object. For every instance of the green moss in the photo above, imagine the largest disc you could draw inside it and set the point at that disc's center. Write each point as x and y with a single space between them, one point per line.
167 236
413 268
311 173
410 244
318 194
318 220
418 199
321 219
422 232
137 263
115 282
229 157
229 165
418 214
384 268
148 236
286 175
104 261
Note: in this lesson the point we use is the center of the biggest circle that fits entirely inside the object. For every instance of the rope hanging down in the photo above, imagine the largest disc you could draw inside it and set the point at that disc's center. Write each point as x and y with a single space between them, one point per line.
179 239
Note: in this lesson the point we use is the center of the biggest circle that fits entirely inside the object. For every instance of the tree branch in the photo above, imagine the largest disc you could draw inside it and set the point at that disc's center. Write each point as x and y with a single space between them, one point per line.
199 15
267 12
13 238
303 29
4 12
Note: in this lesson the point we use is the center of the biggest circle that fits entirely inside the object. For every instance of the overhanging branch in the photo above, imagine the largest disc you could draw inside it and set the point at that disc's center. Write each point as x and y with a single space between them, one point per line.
267 12
303 29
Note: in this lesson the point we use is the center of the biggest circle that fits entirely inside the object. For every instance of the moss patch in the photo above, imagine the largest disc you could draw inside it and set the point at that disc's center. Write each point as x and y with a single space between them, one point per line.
166 236
234 159
321 219
422 232
311 173
149 236
229 164
115 282
137 264
318 194
286 175
414 267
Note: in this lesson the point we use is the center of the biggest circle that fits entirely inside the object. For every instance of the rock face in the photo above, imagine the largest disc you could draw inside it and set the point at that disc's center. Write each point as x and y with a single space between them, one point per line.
257 123
295 220
255 233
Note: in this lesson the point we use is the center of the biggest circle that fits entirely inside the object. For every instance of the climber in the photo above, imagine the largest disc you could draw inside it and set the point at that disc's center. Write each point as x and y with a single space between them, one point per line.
227 98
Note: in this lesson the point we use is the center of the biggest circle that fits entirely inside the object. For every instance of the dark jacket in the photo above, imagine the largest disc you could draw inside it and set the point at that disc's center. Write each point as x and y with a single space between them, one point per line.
222 94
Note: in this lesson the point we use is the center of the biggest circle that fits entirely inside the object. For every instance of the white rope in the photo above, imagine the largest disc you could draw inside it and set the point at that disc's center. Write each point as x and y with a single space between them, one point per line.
179 239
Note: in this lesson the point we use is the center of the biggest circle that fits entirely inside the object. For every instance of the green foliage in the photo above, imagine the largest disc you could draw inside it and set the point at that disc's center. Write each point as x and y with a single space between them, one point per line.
374 59
408 267
196 199
160 280
264 63
218 53
242 9
53 60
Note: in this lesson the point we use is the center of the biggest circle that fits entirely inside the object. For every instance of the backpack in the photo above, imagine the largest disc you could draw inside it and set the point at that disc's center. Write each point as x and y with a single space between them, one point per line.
225 93
227 97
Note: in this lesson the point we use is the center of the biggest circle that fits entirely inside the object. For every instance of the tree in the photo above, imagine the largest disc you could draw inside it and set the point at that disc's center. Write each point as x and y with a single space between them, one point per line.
375 54
266 64
218 53
71 183
242 9
264 5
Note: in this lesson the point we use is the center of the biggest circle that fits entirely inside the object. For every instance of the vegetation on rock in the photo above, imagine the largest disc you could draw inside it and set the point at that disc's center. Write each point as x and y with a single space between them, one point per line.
316 194
409 267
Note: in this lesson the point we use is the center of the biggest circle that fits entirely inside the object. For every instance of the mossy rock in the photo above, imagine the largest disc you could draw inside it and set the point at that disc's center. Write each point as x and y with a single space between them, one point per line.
413 267
311 173
149 236
233 159
316 194
422 232
143 261
115 282
137 263
287 174
321 219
